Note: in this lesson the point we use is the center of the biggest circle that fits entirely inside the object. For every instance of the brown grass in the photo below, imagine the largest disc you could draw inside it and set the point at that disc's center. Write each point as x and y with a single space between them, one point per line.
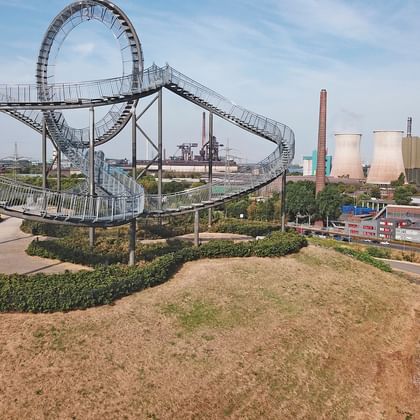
315 336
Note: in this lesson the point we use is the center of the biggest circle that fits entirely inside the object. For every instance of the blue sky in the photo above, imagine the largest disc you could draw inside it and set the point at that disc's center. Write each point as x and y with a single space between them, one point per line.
270 56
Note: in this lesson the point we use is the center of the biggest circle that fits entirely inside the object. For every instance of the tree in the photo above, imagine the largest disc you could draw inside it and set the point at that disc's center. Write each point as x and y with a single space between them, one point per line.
149 184
251 210
375 191
402 195
329 202
362 197
300 198
399 182
237 207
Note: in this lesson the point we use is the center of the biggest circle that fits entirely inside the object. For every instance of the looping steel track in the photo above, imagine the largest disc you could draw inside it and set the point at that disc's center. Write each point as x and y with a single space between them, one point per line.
119 198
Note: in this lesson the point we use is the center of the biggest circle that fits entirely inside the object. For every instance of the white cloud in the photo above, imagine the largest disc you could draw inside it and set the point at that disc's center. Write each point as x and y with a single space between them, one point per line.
84 49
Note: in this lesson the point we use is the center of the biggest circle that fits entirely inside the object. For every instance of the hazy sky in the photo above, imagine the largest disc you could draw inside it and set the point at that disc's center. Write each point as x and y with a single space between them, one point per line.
270 56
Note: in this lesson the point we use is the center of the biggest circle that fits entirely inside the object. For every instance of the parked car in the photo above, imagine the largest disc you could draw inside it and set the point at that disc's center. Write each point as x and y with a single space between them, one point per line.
384 243
346 239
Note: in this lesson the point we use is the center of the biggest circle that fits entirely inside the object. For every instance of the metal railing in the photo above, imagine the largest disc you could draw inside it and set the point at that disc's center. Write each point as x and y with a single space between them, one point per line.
120 187
67 207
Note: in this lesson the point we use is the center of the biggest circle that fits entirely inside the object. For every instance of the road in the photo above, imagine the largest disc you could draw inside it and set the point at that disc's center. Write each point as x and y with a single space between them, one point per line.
13 258
404 266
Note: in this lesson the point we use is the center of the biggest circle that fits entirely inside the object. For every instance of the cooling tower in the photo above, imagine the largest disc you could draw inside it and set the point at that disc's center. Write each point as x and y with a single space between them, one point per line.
347 161
387 163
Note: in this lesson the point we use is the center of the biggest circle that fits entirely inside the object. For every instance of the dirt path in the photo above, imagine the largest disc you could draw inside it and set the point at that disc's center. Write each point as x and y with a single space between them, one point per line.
13 258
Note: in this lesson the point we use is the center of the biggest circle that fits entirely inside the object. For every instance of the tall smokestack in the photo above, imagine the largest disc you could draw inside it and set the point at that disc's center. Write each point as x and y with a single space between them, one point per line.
322 142
409 126
204 135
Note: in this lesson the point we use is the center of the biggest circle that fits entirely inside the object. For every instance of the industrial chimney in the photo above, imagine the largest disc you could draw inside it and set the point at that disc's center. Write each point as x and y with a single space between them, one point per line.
347 160
322 142
387 163
409 126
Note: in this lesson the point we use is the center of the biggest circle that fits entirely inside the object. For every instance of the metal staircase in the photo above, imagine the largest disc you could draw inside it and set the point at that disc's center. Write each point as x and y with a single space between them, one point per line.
120 198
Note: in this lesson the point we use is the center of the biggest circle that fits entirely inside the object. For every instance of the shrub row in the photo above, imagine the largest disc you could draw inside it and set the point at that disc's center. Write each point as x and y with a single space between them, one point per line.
364 257
245 227
377 252
105 253
47 229
69 291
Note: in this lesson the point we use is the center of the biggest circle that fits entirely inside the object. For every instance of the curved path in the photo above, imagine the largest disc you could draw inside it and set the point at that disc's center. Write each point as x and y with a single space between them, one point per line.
13 258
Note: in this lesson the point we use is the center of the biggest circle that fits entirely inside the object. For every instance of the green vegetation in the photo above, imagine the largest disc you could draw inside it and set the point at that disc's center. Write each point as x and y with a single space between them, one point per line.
107 251
64 292
364 257
368 255
300 199
245 227
376 252
399 182
329 201
403 194
267 209
66 182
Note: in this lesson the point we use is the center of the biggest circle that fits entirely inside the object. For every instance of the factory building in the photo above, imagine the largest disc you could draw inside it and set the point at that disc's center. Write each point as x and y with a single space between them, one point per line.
387 163
347 162
411 155
310 162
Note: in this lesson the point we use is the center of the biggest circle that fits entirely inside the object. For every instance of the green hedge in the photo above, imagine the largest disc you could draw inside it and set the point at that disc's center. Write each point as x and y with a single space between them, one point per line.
245 227
47 229
107 252
70 291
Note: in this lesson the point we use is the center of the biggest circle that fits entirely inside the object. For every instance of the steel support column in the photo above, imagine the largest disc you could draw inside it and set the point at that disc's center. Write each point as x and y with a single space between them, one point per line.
283 201
160 145
211 147
58 169
133 223
92 168
196 228
44 154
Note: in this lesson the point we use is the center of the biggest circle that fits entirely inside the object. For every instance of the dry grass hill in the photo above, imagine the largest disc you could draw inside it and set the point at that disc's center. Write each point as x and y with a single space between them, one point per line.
315 335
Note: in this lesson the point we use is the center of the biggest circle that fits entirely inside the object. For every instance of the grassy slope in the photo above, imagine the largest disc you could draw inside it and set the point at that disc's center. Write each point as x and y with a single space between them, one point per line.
314 335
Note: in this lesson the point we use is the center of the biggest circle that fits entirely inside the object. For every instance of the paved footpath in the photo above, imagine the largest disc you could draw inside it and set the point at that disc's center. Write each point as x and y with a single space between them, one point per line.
13 258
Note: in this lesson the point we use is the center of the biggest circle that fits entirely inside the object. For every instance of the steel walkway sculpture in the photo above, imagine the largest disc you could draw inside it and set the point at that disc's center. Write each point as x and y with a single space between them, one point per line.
115 198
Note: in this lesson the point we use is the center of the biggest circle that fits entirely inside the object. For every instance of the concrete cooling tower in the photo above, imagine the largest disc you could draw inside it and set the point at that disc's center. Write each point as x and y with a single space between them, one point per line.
387 163
347 160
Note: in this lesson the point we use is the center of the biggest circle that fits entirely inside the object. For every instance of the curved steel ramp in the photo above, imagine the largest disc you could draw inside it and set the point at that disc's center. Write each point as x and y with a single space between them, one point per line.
119 198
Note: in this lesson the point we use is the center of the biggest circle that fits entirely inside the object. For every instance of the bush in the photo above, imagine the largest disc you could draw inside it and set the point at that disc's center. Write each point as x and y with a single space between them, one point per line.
113 251
69 291
376 252
47 229
278 244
